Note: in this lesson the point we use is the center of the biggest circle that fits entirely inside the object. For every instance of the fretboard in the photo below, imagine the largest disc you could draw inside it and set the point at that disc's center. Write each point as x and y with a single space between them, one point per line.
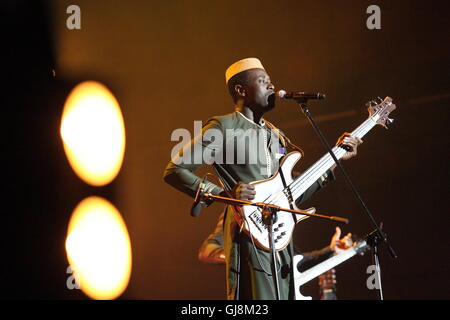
304 181
326 265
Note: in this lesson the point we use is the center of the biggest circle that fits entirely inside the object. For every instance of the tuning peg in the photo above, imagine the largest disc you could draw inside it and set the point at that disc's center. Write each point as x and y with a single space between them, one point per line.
374 102
388 121
370 103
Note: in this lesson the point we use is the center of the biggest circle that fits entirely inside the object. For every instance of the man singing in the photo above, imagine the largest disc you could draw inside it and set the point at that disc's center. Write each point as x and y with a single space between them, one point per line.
248 268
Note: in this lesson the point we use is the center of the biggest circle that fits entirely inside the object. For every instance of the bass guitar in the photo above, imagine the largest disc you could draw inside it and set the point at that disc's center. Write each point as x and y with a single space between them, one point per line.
282 190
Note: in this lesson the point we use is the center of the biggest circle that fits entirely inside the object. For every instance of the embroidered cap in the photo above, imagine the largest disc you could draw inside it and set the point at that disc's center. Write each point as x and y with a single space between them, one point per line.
242 65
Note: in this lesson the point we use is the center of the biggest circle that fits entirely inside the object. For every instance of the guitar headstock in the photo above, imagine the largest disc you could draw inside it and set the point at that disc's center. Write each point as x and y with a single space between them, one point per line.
380 109
361 246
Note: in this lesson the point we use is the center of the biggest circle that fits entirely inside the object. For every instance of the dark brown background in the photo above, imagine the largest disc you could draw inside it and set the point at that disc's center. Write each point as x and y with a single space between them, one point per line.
165 62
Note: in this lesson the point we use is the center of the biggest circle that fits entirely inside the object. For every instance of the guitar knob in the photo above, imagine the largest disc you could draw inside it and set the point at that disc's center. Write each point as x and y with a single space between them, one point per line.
281 225
283 233
276 229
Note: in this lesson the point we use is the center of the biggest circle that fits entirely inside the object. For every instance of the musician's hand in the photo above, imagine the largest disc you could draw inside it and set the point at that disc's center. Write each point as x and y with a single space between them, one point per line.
244 191
351 143
339 245
211 253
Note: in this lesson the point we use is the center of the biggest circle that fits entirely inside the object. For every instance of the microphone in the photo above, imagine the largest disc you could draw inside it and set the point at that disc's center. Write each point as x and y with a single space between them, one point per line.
300 96
199 204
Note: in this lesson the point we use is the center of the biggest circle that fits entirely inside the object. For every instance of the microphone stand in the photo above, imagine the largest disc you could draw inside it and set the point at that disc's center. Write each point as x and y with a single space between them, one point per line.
377 234
270 217
269 212
373 240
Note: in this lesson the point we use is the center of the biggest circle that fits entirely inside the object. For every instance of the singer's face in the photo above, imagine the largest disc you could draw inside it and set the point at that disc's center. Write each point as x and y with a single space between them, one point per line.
260 92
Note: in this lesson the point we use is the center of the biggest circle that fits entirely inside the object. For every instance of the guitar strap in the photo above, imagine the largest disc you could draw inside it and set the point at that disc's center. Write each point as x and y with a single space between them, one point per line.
285 141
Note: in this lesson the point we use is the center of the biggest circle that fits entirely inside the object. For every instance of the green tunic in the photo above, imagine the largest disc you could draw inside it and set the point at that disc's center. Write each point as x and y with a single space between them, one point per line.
224 142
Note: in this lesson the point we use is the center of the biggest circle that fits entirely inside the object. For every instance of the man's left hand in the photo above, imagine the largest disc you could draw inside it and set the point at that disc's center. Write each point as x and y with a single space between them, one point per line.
351 143
338 245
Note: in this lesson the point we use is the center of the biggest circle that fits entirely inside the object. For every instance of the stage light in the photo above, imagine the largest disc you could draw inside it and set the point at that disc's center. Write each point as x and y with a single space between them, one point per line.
93 133
98 249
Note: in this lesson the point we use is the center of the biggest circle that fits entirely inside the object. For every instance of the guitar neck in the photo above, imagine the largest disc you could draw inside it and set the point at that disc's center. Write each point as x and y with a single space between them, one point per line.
304 181
326 265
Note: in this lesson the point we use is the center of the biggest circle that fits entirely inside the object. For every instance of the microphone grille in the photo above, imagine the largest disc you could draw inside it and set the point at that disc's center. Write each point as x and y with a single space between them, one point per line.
281 94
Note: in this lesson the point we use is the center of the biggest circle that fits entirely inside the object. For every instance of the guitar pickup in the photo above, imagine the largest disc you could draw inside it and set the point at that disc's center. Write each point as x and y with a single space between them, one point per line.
257 221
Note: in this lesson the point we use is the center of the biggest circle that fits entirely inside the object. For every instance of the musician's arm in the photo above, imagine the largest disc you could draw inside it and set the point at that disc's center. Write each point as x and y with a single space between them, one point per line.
336 246
179 172
326 178
314 257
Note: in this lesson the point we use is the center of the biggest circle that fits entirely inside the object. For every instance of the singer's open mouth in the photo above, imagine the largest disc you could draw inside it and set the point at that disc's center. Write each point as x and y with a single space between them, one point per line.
271 99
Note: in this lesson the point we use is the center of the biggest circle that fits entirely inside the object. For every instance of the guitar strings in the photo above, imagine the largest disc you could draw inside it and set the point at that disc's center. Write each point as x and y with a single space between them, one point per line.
326 159
297 184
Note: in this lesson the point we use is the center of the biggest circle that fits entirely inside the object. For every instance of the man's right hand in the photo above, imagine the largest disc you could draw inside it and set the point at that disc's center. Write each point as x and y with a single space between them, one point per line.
243 191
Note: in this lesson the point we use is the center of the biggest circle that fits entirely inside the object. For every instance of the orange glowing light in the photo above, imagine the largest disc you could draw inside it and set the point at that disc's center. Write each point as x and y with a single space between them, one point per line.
99 249
93 133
